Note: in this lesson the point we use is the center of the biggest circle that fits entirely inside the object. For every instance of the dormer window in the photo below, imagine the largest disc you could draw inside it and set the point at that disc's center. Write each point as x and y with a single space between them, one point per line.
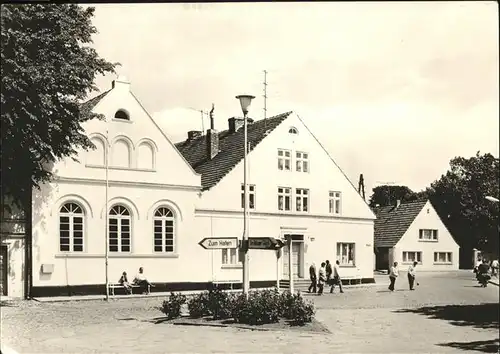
121 114
293 130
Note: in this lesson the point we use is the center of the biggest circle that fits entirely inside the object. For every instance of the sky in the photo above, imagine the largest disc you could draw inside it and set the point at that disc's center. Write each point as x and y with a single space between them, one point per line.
393 90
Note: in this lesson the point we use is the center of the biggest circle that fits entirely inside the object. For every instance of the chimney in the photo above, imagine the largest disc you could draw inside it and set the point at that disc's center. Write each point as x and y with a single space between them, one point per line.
212 137
121 83
236 123
212 143
398 203
193 134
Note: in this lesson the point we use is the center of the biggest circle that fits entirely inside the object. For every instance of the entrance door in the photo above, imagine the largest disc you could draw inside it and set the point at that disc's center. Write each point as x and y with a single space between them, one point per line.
296 257
3 270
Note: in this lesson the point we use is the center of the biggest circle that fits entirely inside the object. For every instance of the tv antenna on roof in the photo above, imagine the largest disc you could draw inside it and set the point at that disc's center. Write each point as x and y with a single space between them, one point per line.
202 118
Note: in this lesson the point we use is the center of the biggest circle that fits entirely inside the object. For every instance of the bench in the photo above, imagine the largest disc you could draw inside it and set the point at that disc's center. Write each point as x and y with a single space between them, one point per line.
113 286
220 282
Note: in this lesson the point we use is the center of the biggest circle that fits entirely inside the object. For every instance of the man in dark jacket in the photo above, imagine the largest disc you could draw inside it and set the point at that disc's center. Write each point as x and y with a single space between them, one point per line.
312 276
329 274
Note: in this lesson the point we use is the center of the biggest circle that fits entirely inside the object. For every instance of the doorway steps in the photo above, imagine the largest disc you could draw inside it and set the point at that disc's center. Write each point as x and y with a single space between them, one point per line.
298 284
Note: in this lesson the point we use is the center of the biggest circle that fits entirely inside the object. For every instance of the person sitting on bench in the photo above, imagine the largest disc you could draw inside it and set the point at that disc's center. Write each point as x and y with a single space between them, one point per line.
124 282
142 281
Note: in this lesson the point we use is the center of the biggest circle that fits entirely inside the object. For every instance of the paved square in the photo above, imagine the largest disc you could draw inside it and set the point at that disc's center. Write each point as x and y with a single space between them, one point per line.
447 313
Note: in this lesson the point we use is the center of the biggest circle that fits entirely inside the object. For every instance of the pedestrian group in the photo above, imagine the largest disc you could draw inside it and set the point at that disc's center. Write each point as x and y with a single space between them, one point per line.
326 275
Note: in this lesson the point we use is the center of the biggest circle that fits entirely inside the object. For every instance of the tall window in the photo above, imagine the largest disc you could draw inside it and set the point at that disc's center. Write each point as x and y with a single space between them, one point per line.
302 199
334 202
251 196
428 235
119 229
302 162
71 228
346 253
164 230
410 257
230 256
442 257
284 160
284 198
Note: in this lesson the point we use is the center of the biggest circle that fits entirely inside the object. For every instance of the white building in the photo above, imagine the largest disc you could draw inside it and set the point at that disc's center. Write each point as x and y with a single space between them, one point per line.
164 198
409 232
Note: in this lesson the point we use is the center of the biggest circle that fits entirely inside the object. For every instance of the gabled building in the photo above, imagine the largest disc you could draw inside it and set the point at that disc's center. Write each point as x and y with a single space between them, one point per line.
296 191
155 201
413 231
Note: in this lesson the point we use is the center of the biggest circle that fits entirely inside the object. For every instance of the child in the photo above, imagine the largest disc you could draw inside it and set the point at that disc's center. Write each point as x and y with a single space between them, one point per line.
124 282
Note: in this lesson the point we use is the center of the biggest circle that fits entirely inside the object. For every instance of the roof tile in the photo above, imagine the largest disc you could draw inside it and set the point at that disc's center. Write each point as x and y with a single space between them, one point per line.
230 149
392 222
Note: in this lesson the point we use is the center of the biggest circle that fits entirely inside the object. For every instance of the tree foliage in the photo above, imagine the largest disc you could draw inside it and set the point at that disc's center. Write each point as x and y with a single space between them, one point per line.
48 69
459 198
388 195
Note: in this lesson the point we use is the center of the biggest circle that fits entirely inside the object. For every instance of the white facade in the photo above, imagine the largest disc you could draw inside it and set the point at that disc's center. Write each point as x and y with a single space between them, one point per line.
435 249
219 212
146 172
151 184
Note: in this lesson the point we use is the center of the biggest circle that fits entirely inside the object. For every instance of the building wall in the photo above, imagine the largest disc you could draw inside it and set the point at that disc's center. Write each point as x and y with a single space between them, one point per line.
77 268
146 172
140 133
320 243
220 207
323 176
428 219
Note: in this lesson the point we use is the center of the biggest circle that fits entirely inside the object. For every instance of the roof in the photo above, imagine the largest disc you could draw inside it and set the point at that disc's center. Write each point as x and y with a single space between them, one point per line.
87 107
392 222
230 149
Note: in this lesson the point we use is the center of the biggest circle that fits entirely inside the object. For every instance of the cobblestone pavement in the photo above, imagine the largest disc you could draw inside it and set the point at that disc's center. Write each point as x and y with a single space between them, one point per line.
447 313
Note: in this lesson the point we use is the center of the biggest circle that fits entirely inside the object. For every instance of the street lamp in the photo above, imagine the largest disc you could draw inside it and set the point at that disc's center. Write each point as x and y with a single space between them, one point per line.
245 101
491 199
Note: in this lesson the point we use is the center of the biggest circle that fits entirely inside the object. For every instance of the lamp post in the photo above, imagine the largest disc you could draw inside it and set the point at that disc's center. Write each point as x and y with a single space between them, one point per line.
106 256
245 101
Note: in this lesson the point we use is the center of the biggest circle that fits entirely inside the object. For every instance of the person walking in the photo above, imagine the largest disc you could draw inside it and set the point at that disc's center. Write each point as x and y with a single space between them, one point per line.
336 277
321 278
393 274
329 272
411 275
313 277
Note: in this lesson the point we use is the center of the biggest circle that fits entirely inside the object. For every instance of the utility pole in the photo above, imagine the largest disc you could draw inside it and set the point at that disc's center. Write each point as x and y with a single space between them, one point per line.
265 98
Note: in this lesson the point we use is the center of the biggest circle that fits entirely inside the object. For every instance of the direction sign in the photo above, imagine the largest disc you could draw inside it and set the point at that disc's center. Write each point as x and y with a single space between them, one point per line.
217 243
264 243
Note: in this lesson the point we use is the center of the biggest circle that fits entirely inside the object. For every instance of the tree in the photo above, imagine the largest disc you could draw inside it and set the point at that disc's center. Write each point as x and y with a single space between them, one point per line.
48 69
387 195
459 198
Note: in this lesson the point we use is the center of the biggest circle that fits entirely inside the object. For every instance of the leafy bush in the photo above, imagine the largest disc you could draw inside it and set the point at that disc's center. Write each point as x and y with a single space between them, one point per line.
260 307
301 311
220 304
198 305
295 308
172 306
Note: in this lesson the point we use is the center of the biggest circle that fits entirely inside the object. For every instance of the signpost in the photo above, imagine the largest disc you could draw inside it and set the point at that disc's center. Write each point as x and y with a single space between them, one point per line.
264 243
219 243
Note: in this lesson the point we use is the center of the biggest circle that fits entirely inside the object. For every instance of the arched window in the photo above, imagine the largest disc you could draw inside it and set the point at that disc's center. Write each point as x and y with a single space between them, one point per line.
119 229
145 156
293 130
121 153
121 114
164 230
96 157
71 228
